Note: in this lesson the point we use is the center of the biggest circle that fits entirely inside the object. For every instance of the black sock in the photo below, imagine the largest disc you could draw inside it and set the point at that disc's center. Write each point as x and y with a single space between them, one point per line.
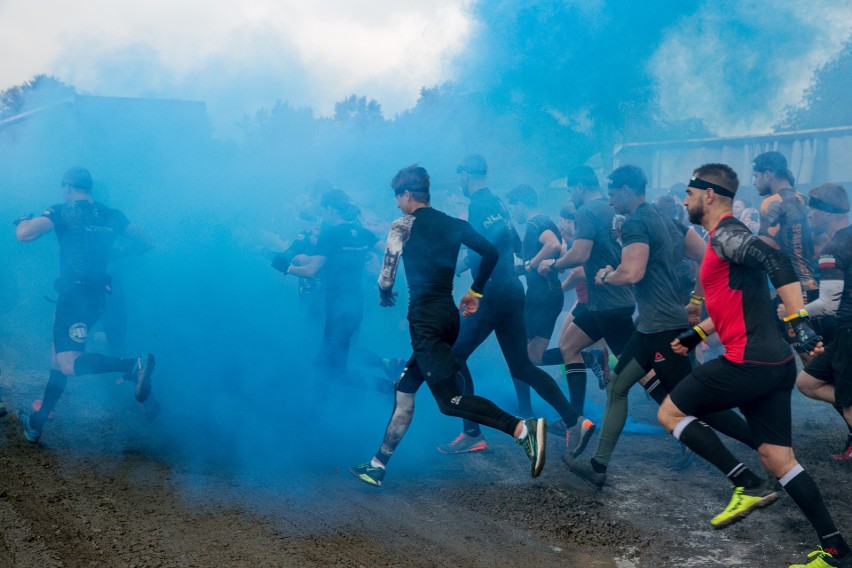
552 357
702 440
575 374
95 364
54 389
597 466
801 487
656 390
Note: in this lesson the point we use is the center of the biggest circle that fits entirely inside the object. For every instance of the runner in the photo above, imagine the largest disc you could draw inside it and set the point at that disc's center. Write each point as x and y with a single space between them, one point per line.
502 313
829 377
86 231
654 246
756 373
429 241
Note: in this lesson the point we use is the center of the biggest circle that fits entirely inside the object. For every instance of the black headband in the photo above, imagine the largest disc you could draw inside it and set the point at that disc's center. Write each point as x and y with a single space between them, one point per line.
705 185
818 203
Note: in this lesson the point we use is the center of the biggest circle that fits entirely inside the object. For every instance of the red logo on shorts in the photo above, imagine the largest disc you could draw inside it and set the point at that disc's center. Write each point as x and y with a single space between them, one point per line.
659 357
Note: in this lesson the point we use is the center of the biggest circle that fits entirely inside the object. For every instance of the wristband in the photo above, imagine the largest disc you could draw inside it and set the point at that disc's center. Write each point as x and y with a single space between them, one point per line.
474 294
697 300
701 333
800 314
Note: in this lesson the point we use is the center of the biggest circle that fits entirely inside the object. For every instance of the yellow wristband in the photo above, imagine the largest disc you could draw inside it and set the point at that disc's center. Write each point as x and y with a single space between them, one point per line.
701 333
474 294
800 314
696 301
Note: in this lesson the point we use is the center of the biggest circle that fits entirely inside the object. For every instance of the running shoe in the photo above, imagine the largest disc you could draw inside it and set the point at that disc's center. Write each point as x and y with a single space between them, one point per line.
744 501
822 559
577 437
464 444
142 375
369 474
585 471
534 444
31 434
845 455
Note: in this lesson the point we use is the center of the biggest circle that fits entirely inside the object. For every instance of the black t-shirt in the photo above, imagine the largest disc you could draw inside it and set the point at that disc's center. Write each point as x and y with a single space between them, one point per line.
835 263
596 221
345 248
86 231
658 294
531 247
490 218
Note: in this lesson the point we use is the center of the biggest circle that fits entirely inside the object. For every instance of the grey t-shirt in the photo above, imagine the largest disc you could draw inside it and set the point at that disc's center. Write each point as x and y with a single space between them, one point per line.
657 294
596 221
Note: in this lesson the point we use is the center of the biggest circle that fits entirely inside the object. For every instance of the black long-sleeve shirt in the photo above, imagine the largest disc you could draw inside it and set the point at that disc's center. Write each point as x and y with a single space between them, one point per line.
429 241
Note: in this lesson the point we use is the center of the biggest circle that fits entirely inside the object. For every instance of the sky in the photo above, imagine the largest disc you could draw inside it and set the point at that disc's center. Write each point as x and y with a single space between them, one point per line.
240 58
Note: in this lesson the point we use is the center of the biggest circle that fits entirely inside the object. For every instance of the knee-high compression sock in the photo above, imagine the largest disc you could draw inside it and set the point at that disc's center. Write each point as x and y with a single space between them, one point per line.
701 439
95 364
552 357
54 389
801 487
522 391
731 425
655 389
400 420
575 374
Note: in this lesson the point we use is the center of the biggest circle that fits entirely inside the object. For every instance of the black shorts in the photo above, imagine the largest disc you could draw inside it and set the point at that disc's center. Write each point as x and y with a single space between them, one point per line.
761 392
654 351
541 310
835 366
434 327
77 309
614 326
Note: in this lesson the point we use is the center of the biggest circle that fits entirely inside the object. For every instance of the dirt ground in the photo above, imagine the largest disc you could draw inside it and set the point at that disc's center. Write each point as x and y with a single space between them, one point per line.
108 496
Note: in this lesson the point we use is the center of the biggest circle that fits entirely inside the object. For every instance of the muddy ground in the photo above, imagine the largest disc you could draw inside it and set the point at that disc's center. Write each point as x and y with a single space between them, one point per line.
108 491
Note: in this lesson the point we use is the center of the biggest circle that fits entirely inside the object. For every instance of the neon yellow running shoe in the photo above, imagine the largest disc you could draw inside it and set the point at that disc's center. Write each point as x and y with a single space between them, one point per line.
822 559
744 501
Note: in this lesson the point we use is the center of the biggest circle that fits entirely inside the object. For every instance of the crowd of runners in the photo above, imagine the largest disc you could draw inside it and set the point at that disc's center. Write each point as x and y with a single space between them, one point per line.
722 310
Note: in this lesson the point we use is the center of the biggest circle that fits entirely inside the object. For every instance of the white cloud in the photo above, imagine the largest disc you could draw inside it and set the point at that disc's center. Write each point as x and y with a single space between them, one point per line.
737 65
237 56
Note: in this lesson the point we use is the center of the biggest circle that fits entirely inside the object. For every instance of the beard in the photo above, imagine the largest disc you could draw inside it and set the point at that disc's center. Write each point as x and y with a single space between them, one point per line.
696 214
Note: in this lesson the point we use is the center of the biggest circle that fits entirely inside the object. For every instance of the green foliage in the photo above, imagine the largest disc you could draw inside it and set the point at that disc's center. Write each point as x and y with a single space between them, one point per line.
39 91
827 102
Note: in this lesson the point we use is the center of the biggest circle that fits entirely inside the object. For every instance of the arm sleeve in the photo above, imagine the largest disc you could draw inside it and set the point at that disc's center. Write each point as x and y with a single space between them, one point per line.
830 284
480 245
399 233
735 243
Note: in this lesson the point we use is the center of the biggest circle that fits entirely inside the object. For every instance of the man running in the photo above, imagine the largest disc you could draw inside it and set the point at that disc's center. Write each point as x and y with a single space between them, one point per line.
502 313
653 247
429 242
757 372
609 315
86 231
829 376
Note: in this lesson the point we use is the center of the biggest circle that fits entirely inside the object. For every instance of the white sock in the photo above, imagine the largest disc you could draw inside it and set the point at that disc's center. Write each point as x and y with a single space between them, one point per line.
376 463
524 431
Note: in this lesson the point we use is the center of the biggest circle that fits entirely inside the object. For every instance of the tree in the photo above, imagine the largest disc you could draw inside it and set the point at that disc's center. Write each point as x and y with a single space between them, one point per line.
358 110
39 91
826 102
